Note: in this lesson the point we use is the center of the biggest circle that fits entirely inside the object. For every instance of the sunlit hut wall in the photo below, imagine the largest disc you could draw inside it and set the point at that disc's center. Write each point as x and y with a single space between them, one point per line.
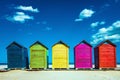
17 56
38 55
60 55
83 55
105 55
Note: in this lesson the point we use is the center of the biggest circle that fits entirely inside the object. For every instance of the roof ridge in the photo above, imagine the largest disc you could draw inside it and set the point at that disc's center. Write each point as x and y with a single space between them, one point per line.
61 42
14 42
38 42
108 41
85 42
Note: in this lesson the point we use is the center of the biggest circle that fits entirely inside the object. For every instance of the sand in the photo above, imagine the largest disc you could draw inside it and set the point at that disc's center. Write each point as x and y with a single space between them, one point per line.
60 75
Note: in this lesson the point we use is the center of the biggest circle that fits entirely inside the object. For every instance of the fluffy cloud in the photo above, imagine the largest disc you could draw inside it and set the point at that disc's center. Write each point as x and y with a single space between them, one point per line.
27 8
86 13
116 24
20 17
95 24
111 33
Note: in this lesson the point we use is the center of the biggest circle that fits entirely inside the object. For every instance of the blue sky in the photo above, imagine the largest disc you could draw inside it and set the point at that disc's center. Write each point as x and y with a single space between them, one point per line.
26 21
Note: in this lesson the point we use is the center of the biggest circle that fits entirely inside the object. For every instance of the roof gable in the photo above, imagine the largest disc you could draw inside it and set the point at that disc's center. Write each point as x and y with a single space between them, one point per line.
15 43
37 42
61 42
106 41
85 42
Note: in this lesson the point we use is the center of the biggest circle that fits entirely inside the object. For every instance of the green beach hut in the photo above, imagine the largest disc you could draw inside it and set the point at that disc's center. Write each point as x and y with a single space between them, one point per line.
38 56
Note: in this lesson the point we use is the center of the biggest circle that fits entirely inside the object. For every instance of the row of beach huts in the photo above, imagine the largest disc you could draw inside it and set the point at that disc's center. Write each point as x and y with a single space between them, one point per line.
104 56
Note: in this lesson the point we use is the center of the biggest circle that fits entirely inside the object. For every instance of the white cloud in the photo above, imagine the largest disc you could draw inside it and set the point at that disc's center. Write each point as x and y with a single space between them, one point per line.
95 24
27 8
20 17
103 30
86 13
76 20
116 24
102 23
114 36
111 33
48 28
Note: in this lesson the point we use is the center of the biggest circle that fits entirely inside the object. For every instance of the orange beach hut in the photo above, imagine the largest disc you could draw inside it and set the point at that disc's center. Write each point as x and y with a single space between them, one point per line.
105 55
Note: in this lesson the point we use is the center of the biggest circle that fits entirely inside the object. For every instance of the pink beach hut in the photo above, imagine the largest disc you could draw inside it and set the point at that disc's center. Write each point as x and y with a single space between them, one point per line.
83 55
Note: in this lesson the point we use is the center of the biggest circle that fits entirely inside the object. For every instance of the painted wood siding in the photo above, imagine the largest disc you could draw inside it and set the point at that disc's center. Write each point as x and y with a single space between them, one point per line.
60 57
38 56
83 56
16 56
107 56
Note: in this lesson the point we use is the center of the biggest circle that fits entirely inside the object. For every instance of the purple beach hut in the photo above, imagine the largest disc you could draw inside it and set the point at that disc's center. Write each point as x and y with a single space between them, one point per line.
83 55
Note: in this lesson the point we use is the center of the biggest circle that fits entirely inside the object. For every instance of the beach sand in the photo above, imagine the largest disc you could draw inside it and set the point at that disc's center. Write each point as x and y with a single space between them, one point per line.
60 75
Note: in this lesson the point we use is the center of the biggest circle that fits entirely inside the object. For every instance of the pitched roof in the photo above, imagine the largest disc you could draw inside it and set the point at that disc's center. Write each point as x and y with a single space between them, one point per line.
85 42
61 42
106 41
37 42
15 44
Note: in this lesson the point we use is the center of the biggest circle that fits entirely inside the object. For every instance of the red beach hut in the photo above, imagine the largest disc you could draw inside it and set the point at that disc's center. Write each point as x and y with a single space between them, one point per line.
105 55
83 55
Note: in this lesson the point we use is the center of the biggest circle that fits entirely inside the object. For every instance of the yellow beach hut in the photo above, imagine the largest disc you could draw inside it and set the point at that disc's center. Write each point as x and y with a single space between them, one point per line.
60 56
